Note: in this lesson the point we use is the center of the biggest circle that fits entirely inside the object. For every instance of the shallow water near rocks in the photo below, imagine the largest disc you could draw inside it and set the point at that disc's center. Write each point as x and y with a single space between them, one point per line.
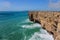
17 26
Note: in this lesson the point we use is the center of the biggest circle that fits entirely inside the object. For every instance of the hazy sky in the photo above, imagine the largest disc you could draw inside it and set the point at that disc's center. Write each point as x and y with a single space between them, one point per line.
21 5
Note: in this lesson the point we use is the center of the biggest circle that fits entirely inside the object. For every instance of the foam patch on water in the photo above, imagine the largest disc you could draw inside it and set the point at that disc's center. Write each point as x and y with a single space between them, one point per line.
31 26
41 36
27 20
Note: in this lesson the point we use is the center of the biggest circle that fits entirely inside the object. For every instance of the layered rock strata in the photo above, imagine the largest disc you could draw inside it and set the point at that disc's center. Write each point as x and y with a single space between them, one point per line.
49 20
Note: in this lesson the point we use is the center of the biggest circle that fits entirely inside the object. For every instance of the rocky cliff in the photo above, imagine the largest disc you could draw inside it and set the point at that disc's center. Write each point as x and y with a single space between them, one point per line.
49 20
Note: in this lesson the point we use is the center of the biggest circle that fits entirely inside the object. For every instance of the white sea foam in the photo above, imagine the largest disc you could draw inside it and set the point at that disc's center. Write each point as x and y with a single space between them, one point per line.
31 26
27 20
25 38
41 36
42 31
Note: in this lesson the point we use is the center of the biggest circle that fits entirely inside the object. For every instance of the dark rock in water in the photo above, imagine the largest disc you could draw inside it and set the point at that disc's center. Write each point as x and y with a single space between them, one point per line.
49 20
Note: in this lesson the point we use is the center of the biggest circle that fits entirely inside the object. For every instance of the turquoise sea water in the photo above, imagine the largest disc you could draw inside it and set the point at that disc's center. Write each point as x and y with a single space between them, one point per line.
16 26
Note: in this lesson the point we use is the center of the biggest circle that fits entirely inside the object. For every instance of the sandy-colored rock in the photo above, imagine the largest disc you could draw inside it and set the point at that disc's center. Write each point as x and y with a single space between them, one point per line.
58 37
49 20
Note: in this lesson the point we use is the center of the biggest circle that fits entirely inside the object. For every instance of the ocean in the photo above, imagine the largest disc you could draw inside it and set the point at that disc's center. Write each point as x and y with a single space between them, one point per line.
17 26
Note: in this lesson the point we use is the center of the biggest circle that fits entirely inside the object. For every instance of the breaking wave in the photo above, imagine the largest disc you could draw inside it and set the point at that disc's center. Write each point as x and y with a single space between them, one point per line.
39 35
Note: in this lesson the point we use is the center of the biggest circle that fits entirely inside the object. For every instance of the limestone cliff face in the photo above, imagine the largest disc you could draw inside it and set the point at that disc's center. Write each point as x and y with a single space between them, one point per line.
48 20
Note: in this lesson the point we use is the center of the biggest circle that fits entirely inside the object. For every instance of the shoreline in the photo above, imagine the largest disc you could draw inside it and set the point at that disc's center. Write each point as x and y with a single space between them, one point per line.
48 20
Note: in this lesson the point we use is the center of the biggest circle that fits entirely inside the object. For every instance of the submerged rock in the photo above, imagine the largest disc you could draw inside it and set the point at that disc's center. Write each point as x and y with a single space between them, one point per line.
49 20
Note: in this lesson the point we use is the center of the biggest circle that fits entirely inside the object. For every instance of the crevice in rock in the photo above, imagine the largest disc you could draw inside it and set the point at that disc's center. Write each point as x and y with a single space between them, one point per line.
31 18
36 21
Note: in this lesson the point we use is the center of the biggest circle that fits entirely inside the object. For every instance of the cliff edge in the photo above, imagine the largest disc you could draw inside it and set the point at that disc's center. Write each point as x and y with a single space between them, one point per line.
49 20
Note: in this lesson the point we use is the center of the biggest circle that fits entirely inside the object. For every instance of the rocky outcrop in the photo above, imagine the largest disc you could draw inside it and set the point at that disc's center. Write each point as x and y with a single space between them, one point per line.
49 20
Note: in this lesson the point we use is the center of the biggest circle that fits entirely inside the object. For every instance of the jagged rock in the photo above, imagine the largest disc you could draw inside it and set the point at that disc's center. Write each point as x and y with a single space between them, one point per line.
49 20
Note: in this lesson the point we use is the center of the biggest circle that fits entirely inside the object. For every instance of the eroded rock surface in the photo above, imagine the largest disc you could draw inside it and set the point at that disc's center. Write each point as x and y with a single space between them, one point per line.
49 21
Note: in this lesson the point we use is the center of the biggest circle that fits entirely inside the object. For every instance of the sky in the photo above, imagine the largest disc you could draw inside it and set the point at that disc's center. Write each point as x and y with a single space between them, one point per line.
24 5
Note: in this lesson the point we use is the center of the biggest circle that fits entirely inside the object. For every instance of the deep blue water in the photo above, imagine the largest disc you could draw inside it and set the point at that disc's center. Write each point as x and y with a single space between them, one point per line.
16 26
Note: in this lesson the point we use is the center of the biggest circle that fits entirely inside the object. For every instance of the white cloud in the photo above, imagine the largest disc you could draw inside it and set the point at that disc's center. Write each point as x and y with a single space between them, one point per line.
54 4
